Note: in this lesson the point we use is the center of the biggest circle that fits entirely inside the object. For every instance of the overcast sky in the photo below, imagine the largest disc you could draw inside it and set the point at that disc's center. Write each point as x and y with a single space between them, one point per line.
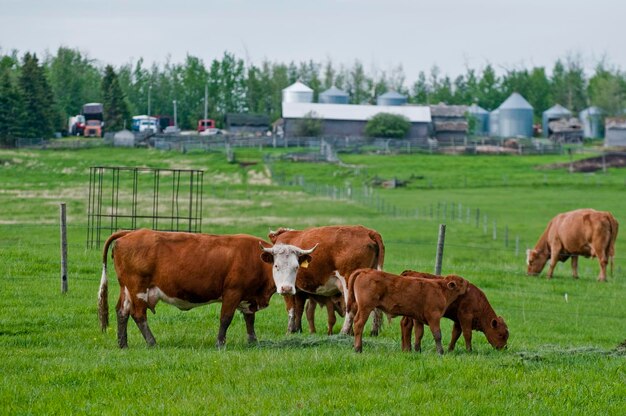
452 34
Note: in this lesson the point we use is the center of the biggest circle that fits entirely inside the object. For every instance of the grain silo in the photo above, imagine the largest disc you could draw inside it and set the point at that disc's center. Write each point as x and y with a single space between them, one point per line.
553 113
297 93
591 119
334 95
494 127
481 120
515 117
391 98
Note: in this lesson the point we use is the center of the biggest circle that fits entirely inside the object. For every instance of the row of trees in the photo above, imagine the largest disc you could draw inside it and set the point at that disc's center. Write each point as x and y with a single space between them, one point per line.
37 98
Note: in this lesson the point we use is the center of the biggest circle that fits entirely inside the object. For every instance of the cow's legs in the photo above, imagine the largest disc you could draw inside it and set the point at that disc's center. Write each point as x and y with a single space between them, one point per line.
359 323
122 325
249 318
456 333
466 327
377 322
604 261
554 258
575 267
229 305
141 319
406 325
330 309
436 331
419 334
310 315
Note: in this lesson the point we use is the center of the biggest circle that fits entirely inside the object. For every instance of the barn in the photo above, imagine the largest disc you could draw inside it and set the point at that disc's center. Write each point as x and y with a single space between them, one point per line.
349 120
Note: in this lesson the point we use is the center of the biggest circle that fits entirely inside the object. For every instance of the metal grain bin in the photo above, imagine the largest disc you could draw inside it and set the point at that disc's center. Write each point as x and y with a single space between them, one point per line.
334 95
553 113
391 98
481 120
591 119
494 126
297 93
515 117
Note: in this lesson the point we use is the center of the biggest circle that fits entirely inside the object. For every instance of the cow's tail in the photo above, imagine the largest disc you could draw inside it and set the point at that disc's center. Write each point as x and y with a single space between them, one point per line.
380 255
611 249
103 293
351 304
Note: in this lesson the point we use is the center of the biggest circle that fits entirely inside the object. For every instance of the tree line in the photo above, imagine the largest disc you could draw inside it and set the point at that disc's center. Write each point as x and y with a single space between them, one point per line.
38 95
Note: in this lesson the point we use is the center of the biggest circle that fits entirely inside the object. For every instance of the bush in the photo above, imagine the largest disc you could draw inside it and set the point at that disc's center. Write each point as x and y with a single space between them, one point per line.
388 125
309 126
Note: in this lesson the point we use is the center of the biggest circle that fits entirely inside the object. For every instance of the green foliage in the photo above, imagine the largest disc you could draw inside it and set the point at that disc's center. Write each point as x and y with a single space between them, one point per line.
388 125
39 116
309 126
74 79
116 115
11 109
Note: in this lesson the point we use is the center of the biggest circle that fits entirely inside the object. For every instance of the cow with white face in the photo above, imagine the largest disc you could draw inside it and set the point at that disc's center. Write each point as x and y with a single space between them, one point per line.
286 260
189 270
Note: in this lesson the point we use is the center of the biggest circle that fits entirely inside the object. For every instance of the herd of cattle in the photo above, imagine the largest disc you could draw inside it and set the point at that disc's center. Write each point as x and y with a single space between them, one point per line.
339 267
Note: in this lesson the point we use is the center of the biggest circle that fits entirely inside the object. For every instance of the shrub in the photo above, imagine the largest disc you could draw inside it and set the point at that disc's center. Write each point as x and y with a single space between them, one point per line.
388 125
309 126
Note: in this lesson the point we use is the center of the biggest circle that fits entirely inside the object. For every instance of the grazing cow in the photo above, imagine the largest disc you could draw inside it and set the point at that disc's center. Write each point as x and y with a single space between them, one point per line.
583 232
424 300
342 249
470 311
188 270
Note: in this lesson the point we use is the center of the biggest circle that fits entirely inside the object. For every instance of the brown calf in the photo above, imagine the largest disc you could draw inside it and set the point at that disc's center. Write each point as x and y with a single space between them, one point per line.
423 300
470 311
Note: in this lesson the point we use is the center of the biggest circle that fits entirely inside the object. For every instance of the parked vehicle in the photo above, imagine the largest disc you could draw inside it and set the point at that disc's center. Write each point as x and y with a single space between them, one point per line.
76 125
94 116
144 123
205 124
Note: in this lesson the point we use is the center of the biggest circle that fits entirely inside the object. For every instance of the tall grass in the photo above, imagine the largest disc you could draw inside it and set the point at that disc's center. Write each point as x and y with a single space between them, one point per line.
563 355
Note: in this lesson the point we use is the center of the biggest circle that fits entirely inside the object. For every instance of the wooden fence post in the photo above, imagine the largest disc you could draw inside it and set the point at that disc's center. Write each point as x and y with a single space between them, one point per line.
440 243
63 249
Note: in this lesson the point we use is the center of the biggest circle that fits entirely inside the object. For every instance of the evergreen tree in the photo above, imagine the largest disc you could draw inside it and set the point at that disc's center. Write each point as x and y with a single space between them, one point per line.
10 109
421 90
40 117
115 108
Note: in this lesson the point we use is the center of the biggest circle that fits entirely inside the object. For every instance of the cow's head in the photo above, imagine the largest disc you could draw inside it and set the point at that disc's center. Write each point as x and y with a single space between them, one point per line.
535 260
497 333
273 235
456 284
286 260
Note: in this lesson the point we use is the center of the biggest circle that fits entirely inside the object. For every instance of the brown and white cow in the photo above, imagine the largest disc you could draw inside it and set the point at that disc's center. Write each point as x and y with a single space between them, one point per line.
342 249
470 311
583 232
424 300
188 270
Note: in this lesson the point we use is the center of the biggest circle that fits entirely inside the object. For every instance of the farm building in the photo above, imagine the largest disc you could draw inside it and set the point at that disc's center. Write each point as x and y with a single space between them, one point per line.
480 119
242 123
515 117
555 112
591 119
615 132
494 126
349 120
449 124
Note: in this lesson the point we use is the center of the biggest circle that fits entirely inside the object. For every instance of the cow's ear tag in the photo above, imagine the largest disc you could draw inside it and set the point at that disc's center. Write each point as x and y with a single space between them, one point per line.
305 264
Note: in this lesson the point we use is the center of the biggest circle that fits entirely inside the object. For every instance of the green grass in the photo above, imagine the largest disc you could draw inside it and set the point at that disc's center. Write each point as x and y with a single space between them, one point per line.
563 356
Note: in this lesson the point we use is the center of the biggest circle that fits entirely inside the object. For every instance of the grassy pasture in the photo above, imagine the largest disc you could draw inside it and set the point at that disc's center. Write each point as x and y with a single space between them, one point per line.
563 356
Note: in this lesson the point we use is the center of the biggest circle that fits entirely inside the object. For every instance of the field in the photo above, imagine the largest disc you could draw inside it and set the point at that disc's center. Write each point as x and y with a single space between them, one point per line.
566 353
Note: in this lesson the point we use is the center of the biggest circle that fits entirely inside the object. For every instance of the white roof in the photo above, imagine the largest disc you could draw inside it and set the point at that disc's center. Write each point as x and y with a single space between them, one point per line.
298 87
415 114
